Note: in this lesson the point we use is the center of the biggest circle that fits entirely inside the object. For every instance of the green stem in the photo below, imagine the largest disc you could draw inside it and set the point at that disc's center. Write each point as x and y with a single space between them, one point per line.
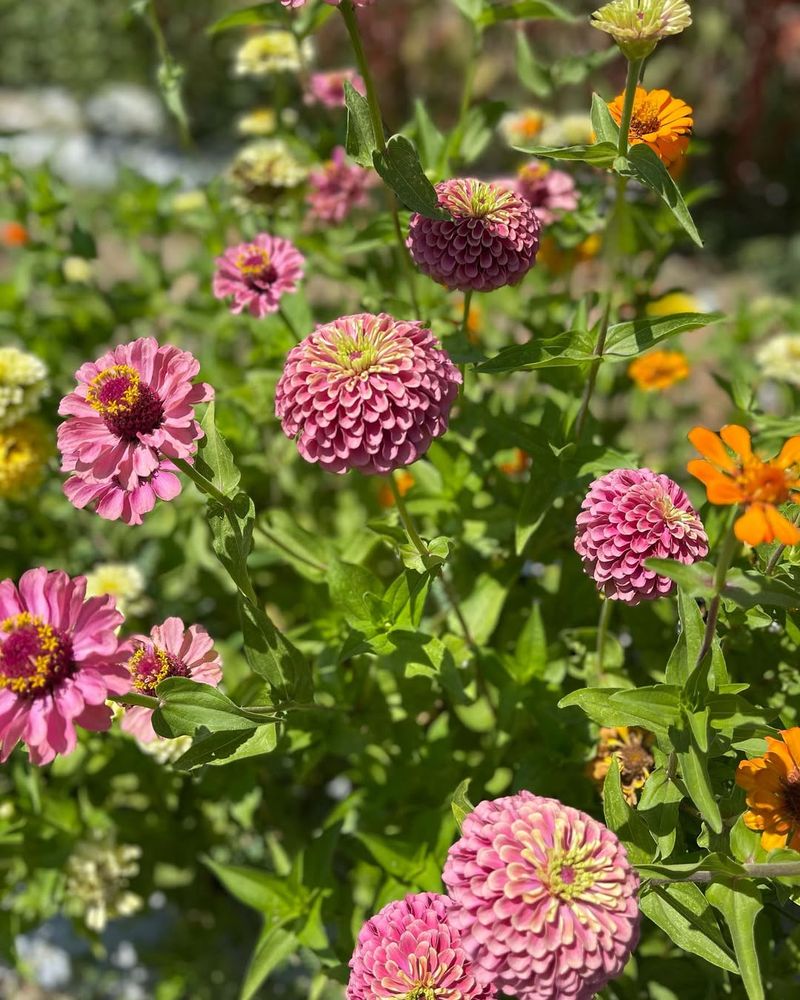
131 698
348 13
777 869
606 610
452 149
726 556
289 324
167 64
464 325
300 557
612 251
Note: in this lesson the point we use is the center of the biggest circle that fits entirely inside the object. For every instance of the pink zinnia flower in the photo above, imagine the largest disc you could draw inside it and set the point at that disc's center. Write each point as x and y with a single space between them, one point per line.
171 650
132 407
327 88
338 187
332 3
411 949
118 503
491 241
628 516
366 392
258 274
59 661
549 192
545 898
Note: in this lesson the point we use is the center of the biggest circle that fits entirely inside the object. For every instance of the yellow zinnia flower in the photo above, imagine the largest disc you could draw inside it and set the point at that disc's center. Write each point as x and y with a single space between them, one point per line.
659 369
24 451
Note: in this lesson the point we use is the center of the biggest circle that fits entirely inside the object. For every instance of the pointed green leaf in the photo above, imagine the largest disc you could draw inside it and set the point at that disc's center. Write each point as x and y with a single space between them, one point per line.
683 913
644 164
460 804
740 905
400 168
625 821
360 142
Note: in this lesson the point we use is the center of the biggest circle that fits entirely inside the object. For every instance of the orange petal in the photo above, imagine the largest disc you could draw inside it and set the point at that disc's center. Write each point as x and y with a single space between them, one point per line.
713 478
724 491
753 822
782 528
710 447
791 737
790 453
737 439
771 841
752 526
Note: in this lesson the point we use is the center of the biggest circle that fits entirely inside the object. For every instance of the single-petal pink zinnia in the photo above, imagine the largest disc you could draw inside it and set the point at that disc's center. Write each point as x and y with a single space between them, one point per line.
366 392
171 650
59 661
258 274
549 192
327 87
411 949
545 898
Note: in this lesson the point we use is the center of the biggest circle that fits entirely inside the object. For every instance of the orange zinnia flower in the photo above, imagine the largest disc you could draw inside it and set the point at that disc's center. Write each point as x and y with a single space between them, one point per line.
659 369
404 483
772 784
13 234
516 465
660 120
747 480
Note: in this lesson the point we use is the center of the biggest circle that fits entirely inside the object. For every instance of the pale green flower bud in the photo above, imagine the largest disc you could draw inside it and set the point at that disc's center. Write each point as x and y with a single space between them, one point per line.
637 26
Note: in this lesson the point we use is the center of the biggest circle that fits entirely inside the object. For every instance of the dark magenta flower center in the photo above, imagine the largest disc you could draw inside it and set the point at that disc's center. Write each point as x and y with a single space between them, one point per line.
256 267
128 407
34 657
150 665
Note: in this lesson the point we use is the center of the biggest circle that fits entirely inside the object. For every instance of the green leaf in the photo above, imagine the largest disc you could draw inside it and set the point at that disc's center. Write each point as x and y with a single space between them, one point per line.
258 13
400 168
361 142
471 9
605 128
626 340
232 535
218 749
655 708
658 807
272 656
683 913
430 140
523 10
279 899
625 821
596 154
694 770
749 589
217 460
537 499
273 947
740 905
405 599
349 587
684 655
531 73
186 705
644 165
530 652
563 351
460 804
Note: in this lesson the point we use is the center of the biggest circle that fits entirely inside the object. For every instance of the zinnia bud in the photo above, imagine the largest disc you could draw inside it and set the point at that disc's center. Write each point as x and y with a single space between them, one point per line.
637 26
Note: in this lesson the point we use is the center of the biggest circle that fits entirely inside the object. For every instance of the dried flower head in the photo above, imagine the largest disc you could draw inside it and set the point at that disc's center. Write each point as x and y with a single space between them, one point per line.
779 358
545 898
772 784
338 187
23 382
549 192
265 169
659 369
659 120
256 275
411 951
630 746
490 240
637 26
59 661
744 479
271 52
366 392
25 449
98 874
627 517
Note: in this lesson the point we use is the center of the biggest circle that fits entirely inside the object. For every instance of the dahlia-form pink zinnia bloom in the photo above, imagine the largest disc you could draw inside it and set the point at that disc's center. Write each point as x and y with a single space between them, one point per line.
366 392
132 407
59 661
338 187
258 274
628 516
491 241
411 949
117 503
545 898
171 650
549 192
327 88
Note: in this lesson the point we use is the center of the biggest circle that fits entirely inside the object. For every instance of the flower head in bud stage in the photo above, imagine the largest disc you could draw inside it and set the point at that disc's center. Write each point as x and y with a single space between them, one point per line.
742 478
171 650
98 874
327 88
271 52
490 241
265 169
338 187
23 382
366 392
627 517
659 120
123 581
25 449
658 370
779 358
772 784
256 275
412 951
637 26
130 409
549 192
59 661
630 746
545 898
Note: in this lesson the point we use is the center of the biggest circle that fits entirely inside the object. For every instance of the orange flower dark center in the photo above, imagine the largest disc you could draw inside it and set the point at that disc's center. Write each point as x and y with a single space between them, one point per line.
635 761
791 796
645 120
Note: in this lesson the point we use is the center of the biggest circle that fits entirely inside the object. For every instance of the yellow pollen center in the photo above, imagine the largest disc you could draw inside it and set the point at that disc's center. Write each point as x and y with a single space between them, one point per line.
114 391
32 654
645 119
253 261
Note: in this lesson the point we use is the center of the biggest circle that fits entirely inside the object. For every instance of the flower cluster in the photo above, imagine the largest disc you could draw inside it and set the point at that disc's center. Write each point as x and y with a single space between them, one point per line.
98 875
270 52
542 905
658 370
772 786
631 748
266 168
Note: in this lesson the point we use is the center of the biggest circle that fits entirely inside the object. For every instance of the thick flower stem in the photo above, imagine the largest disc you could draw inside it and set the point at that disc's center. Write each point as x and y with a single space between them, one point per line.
606 610
430 565
612 250
289 324
350 18
464 328
727 553
777 869
142 700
